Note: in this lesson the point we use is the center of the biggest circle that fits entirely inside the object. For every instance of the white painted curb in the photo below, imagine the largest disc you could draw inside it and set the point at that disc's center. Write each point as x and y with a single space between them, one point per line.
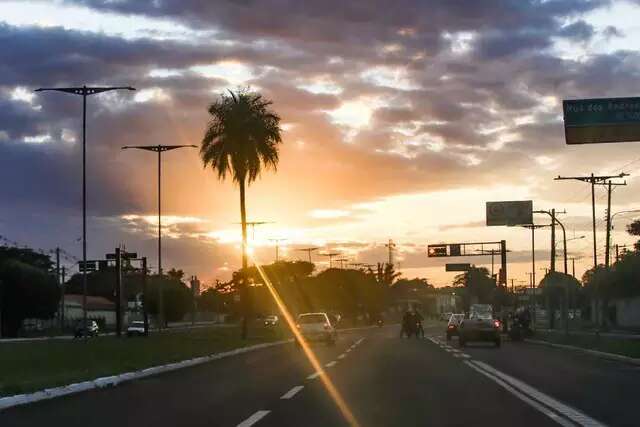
596 353
114 380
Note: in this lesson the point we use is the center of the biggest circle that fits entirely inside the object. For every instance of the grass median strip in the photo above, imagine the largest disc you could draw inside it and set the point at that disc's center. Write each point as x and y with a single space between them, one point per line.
32 366
620 346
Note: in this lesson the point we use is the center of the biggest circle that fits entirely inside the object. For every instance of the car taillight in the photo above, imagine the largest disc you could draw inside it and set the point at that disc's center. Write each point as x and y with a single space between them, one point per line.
451 326
496 323
326 326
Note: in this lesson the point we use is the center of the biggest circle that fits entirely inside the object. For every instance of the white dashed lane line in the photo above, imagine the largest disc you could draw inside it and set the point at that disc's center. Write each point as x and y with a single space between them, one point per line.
313 376
257 416
342 356
331 364
292 392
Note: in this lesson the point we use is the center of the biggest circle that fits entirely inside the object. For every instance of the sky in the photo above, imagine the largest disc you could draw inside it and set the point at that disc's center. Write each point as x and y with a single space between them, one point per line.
398 123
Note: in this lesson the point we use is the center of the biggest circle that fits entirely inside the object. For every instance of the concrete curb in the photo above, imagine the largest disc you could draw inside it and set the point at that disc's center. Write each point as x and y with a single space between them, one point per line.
114 380
602 354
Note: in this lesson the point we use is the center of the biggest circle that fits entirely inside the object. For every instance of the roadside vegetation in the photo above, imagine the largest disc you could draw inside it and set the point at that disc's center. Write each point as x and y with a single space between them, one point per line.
31 366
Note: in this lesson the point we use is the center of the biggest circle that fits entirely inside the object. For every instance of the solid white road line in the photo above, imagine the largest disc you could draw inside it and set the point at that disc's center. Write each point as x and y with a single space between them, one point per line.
342 356
331 364
523 397
313 376
567 411
292 392
257 416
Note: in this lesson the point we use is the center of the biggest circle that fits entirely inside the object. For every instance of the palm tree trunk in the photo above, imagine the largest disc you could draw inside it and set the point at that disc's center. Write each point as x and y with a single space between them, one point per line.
244 291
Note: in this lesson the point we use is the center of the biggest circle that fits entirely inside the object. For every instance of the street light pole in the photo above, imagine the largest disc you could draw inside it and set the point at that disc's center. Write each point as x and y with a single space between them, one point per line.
84 91
159 149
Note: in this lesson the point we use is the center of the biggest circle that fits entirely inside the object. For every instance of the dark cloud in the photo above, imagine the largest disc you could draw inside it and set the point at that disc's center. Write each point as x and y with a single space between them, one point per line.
578 31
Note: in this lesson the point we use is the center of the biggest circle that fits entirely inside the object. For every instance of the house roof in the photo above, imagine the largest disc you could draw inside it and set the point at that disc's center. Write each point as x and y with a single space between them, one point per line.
93 303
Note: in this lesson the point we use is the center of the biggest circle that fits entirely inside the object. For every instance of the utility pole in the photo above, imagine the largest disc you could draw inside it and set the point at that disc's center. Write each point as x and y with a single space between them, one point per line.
253 224
554 220
118 292
64 273
84 91
145 315
573 267
391 247
159 149
609 185
330 255
277 246
59 287
342 261
593 180
308 251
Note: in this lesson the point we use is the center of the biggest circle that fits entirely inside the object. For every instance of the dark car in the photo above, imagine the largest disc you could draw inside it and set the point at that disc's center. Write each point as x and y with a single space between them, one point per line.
91 329
480 326
454 323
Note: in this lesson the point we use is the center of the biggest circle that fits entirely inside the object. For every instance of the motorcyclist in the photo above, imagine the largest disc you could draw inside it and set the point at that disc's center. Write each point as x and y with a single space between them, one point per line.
406 324
417 318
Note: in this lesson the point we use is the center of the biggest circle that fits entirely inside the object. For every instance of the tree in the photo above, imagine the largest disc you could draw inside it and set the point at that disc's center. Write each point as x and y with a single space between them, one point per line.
241 139
176 297
26 291
478 286
556 288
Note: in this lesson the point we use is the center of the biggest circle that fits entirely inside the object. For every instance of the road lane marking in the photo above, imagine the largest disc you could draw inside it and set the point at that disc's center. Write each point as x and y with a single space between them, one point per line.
313 376
359 341
331 364
348 350
565 410
342 356
292 392
257 416
523 397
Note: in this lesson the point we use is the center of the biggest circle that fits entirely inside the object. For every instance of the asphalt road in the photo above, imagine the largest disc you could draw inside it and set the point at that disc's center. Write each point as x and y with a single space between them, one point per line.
384 380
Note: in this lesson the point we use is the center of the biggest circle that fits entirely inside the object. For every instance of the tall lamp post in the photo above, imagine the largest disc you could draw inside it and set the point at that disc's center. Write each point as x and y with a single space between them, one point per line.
84 91
159 149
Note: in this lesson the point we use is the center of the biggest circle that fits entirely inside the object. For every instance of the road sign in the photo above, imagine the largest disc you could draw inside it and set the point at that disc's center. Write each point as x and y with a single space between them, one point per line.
593 121
89 266
510 213
457 267
436 251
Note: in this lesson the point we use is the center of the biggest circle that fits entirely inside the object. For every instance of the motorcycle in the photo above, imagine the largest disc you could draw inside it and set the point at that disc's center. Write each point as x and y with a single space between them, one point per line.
380 322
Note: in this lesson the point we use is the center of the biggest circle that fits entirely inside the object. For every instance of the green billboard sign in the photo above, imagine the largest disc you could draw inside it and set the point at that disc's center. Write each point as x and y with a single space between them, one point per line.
592 121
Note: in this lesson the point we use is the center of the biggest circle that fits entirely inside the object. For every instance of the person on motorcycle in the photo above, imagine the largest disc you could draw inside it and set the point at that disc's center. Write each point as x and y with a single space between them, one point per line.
406 324
417 318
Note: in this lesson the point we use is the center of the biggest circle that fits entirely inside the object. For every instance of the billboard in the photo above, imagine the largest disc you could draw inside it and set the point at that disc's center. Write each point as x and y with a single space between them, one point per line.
510 213
593 121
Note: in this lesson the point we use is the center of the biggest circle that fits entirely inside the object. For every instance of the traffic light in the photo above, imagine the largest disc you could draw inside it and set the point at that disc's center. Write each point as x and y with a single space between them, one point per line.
437 250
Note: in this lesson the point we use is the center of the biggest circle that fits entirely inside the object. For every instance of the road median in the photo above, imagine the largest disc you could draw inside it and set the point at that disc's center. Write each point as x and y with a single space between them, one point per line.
613 348
41 365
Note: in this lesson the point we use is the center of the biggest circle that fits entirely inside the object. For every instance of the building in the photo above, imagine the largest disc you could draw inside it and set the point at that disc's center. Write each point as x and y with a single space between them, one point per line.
97 308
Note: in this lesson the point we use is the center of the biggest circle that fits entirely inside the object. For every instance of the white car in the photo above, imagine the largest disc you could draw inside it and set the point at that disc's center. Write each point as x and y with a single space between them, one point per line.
317 327
271 320
136 328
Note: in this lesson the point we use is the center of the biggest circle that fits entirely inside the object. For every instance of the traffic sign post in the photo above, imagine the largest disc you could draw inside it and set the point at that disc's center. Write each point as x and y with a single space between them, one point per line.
601 120
442 250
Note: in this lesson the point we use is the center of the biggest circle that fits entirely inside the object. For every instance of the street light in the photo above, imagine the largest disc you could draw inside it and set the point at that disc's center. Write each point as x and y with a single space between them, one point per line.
84 91
159 149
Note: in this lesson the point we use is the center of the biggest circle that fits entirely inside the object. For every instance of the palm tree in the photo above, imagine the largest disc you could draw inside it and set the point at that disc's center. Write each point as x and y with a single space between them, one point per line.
241 139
